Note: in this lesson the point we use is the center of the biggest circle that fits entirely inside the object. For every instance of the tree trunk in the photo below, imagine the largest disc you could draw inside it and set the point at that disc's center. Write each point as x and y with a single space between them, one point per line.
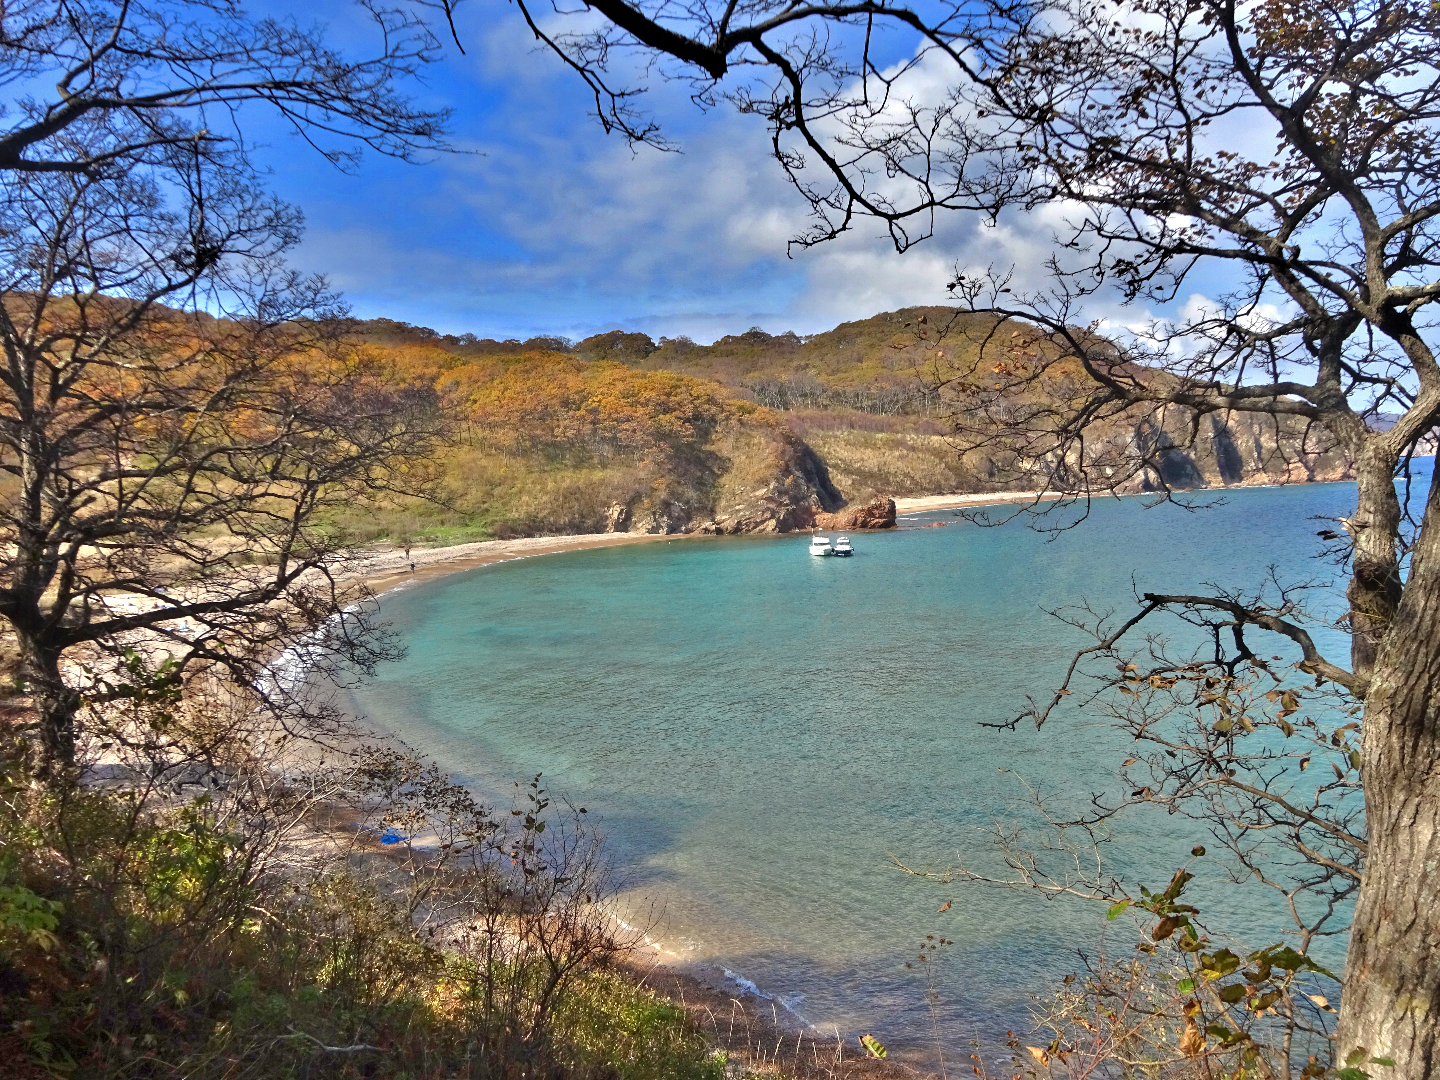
1391 1001
55 705
1375 588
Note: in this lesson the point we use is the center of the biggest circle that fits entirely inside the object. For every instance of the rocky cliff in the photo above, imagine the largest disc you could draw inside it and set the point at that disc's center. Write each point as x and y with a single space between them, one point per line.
1169 448
1226 449
776 483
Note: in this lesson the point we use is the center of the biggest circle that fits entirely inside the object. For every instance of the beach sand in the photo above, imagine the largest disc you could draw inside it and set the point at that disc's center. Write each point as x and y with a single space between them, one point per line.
953 502
385 566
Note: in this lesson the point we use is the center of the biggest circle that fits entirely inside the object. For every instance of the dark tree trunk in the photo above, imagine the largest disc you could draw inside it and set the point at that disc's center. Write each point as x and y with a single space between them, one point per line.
55 706
1391 1002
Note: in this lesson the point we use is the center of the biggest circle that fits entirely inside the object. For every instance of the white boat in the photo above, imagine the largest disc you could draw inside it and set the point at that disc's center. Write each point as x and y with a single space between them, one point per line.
820 545
842 546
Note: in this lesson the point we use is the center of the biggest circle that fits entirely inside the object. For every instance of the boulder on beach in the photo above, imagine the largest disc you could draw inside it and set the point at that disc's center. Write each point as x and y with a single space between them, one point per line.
878 513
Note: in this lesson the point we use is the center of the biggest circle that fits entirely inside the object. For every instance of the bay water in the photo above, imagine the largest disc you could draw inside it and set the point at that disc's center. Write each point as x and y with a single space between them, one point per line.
761 735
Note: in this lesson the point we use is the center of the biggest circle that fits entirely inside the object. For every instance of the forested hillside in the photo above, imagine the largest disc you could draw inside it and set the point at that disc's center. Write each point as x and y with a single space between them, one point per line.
551 443
760 431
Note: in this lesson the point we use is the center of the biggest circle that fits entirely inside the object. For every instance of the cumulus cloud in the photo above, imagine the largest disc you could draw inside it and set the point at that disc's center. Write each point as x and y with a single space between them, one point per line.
547 225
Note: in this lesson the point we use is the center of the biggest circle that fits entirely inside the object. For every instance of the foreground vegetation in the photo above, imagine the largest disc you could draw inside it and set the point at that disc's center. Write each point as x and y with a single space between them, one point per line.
204 919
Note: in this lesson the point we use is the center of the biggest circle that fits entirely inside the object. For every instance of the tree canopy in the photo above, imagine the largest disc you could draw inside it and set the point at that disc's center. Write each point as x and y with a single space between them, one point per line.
180 410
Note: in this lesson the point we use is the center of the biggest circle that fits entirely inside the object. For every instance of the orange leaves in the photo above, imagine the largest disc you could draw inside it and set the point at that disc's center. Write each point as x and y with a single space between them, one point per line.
1192 1042
550 399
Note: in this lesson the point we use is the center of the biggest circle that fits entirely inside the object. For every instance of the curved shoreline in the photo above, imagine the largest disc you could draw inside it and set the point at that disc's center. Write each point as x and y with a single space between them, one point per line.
381 569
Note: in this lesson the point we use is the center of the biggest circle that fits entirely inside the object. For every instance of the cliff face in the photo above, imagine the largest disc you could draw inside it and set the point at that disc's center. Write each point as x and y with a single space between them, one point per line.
1170 449
1237 448
775 483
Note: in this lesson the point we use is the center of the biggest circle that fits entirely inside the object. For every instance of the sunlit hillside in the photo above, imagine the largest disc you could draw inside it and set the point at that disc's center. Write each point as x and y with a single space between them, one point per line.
551 443
619 431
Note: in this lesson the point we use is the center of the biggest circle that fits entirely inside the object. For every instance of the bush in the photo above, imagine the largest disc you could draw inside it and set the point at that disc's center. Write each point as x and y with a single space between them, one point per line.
169 918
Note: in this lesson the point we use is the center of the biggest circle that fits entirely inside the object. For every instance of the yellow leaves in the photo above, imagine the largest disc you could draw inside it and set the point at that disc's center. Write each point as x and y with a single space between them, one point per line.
873 1046
552 399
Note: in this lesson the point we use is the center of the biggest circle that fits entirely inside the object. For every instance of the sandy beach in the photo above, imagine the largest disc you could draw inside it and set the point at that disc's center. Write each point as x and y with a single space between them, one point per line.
385 566
955 502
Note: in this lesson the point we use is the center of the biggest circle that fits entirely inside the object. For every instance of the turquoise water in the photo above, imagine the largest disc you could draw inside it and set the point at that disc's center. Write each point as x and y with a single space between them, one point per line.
760 732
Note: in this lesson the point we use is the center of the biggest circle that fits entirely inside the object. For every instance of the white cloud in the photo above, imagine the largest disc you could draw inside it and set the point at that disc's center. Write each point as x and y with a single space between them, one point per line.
551 226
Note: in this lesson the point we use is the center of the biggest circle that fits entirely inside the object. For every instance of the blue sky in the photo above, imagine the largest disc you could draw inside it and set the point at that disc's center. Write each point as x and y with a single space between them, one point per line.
544 224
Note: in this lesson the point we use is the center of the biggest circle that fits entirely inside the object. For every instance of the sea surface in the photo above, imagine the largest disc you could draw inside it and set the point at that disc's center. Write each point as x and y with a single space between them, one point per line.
761 735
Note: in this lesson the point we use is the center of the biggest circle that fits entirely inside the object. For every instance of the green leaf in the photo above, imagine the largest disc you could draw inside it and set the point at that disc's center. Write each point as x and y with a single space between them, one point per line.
1185 986
1287 959
1116 910
1224 1034
1388 1062
1265 1001
1219 964
873 1046
1232 993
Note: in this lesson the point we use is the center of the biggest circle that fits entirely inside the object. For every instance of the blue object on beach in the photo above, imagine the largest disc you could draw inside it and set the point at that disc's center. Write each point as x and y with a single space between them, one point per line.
392 838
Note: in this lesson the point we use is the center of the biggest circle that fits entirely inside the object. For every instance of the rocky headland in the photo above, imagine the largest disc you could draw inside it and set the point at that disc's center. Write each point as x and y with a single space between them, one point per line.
762 433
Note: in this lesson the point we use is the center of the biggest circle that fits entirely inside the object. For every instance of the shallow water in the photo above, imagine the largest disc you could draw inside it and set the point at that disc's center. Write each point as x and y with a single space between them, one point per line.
762 731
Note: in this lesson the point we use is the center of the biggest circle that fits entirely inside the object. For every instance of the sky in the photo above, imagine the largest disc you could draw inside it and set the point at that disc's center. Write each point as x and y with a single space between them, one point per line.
544 224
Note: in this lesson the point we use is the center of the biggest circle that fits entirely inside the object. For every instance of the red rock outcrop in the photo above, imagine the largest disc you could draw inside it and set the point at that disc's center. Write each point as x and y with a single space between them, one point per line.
878 513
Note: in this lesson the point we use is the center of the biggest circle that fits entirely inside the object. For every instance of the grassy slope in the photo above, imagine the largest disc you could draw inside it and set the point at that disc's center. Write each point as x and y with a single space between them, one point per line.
857 394
550 444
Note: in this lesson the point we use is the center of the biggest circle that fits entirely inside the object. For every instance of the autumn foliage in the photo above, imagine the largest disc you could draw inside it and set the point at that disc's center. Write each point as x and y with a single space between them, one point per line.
553 443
